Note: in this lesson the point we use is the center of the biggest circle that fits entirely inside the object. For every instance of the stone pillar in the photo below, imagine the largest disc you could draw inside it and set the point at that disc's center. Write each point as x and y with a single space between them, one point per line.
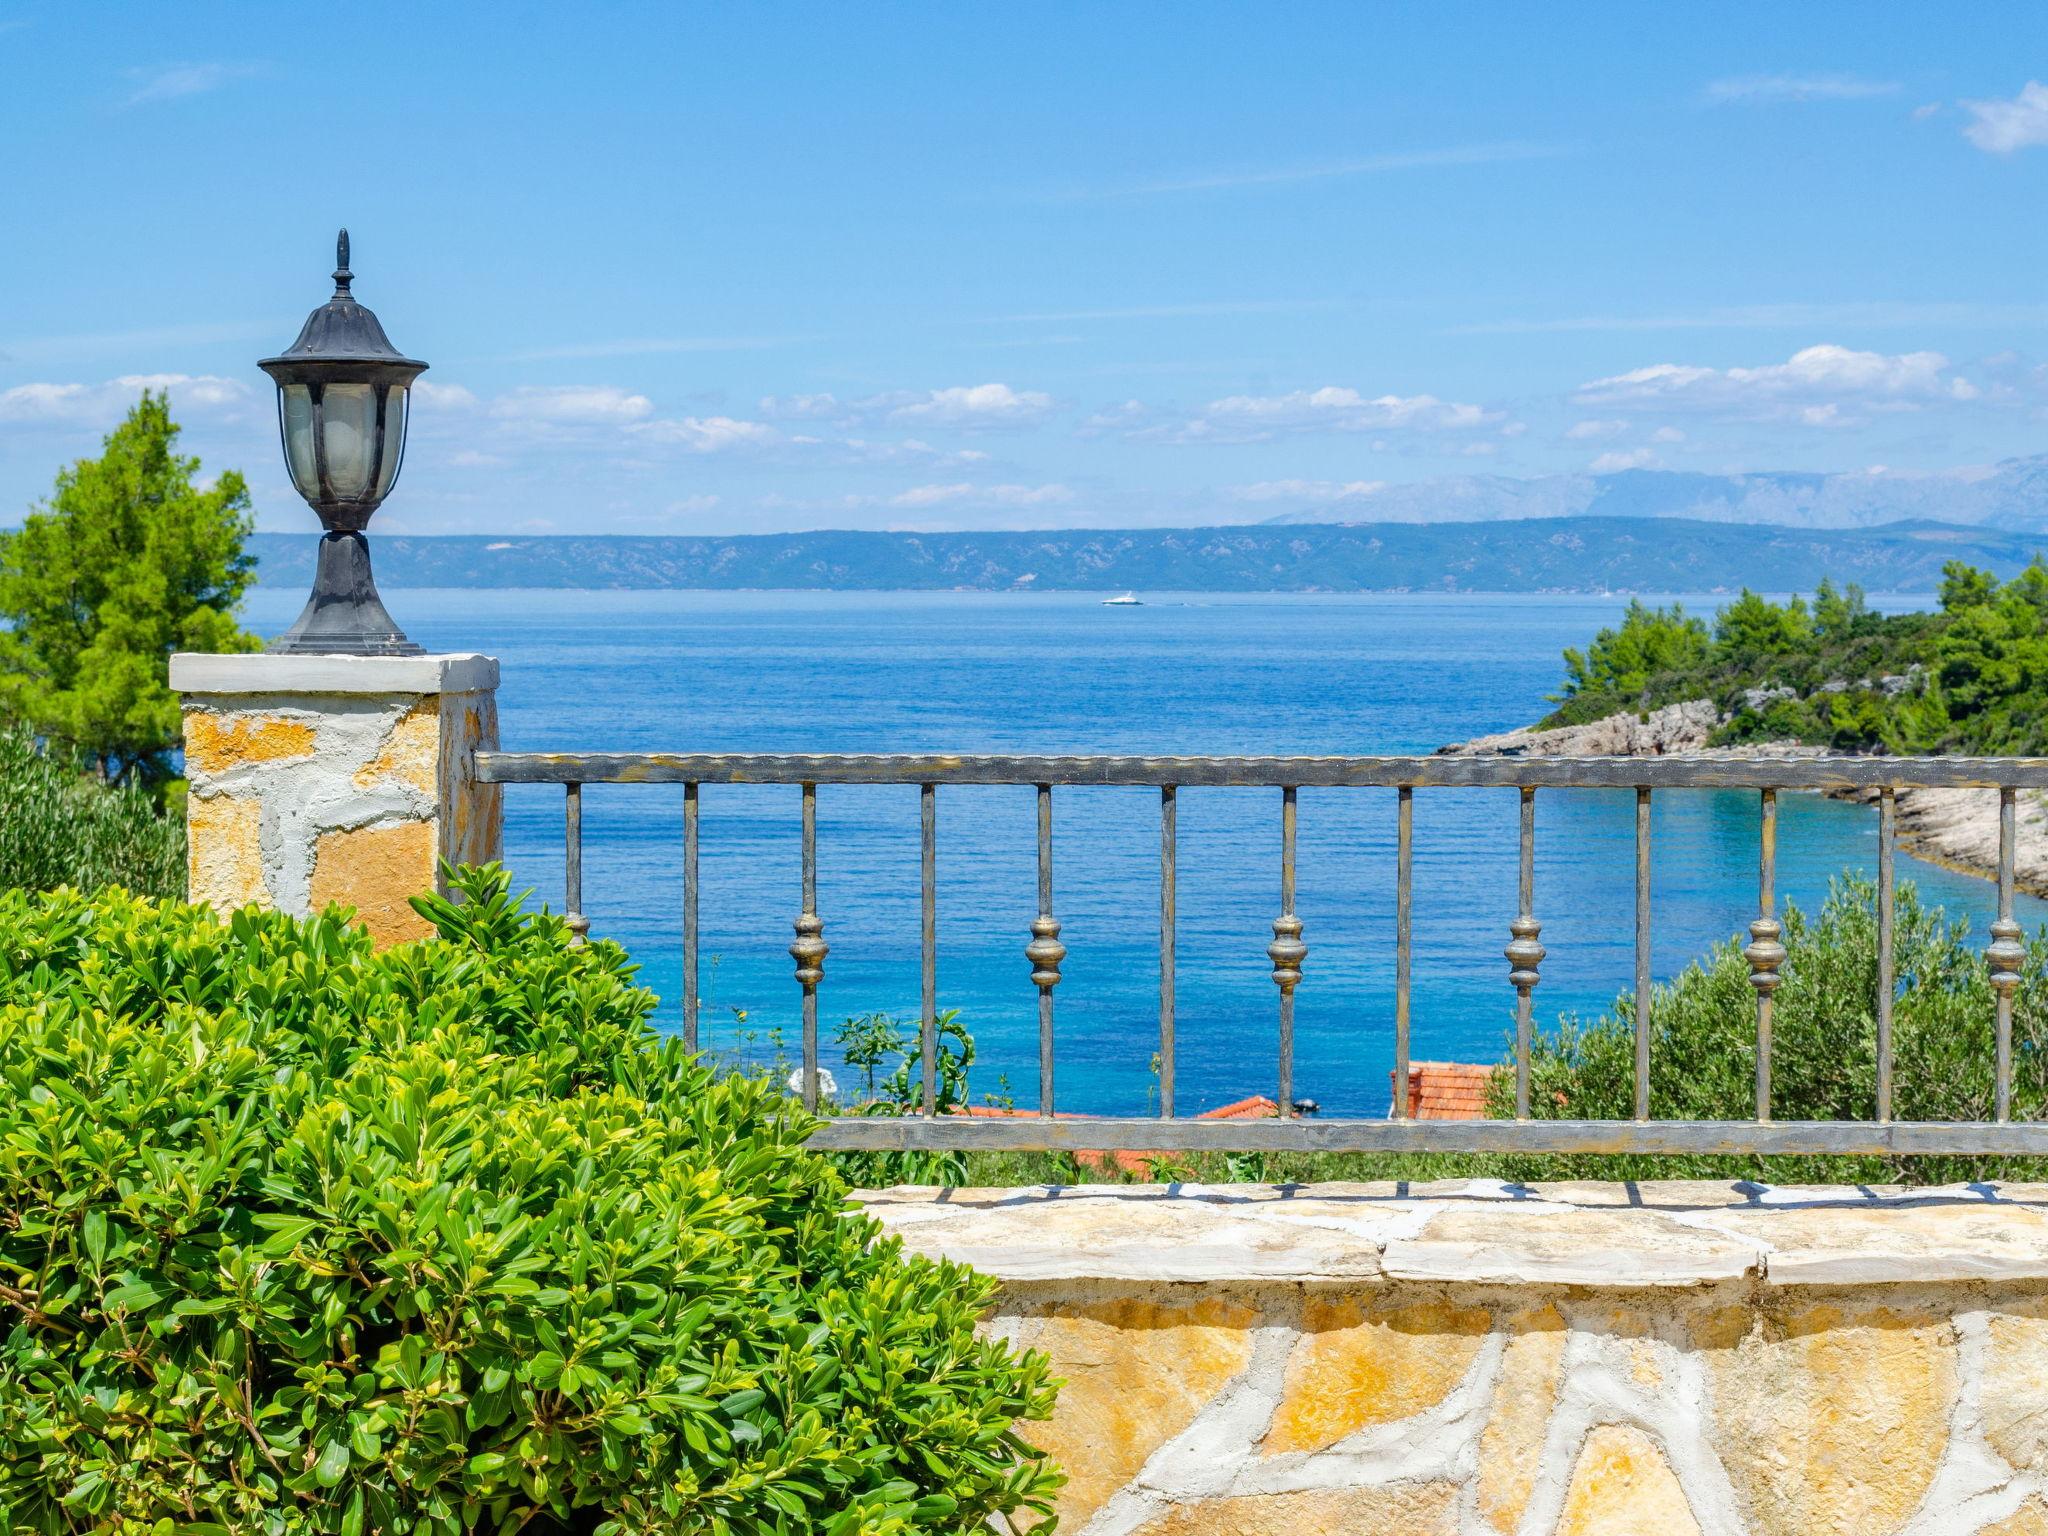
324 779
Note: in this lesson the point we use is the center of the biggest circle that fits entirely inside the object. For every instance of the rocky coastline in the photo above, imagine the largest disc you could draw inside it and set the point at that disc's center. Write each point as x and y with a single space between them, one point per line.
1956 828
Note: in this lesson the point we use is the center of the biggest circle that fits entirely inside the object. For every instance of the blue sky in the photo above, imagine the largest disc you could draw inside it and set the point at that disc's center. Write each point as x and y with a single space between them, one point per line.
766 267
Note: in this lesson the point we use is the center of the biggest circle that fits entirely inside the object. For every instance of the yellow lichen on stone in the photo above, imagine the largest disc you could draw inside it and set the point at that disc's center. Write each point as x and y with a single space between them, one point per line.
2030 1519
1511 1447
1137 1372
377 870
2016 1387
410 753
1356 1365
224 857
1622 1486
1398 1509
1834 1420
217 742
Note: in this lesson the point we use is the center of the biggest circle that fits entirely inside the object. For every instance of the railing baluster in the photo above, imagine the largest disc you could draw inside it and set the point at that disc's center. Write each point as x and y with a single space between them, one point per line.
810 949
572 871
1287 951
1168 917
1404 903
2006 954
1764 953
1887 832
1045 951
1642 1105
690 916
928 902
1524 953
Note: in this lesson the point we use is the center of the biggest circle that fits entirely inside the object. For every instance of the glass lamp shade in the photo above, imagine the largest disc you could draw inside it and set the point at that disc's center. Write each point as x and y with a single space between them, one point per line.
343 440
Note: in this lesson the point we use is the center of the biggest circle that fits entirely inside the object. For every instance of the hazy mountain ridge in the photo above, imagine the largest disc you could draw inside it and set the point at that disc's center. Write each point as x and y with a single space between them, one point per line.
2011 494
1577 554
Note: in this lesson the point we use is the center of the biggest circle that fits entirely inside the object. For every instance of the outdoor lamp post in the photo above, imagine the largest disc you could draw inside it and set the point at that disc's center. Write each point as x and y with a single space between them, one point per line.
341 395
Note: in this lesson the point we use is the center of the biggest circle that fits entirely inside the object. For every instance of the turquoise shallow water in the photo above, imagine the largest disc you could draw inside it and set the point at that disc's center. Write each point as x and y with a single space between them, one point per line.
970 672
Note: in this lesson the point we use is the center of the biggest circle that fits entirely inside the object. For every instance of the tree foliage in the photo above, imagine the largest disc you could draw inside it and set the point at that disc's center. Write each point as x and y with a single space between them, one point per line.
128 561
1824 1049
303 1237
1649 643
63 827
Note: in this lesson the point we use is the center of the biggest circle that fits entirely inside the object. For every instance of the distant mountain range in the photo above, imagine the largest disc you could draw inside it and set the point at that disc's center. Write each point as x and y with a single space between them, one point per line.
1587 552
2010 494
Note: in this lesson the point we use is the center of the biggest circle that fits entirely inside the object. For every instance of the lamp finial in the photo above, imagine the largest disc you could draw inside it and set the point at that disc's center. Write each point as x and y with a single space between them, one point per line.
342 276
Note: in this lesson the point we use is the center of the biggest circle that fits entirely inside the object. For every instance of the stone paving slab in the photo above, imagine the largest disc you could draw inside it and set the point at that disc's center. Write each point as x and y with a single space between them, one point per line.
1620 1236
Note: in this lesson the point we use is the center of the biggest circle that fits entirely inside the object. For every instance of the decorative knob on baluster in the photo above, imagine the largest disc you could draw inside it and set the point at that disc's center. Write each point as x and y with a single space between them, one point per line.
1523 953
1045 951
810 949
2006 954
1765 955
1287 951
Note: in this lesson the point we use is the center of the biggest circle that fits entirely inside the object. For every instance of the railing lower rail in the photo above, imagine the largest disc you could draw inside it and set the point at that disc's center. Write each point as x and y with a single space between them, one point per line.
1881 1135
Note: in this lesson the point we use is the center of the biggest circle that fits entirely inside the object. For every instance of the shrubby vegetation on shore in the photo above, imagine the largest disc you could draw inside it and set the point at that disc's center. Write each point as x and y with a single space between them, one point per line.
61 826
1969 677
304 1237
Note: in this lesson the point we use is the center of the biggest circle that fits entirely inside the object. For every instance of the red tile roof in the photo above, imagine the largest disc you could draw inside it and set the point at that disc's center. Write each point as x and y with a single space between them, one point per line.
1134 1162
1447 1090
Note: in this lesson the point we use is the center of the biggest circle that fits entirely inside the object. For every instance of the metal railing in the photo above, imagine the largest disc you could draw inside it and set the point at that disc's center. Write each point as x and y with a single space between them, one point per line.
1881 1135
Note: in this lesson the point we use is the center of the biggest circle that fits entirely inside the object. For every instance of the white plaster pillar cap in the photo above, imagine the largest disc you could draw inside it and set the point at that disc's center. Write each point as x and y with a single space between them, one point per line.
262 673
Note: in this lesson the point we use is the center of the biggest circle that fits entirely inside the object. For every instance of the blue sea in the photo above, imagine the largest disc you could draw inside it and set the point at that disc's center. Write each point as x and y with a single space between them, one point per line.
1045 672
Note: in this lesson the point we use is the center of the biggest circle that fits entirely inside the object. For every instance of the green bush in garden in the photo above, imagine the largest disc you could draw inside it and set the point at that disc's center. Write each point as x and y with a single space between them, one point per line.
58 826
1824 1049
301 1237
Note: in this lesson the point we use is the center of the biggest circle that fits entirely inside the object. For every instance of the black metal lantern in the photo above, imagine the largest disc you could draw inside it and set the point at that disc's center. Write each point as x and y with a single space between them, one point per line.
341 398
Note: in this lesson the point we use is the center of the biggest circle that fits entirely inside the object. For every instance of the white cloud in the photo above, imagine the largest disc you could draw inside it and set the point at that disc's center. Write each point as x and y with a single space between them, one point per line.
712 434
1319 491
104 404
173 82
1254 418
571 404
1820 376
821 407
982 495
1631 458
1769 88
445 397
1667 435
966 405
2004 126
1593 431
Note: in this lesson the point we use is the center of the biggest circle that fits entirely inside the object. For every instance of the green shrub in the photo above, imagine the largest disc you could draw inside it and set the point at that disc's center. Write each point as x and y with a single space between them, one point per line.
1824 1049
61 827
301 1237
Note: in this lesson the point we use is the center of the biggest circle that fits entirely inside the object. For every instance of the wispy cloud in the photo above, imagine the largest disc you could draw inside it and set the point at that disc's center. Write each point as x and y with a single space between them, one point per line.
2004 126
1763 89
1190 311
1328 170
1813 387
572 404
92 405
960 406
174 82
1321 492
652 346
1882 314
1332 408
33 348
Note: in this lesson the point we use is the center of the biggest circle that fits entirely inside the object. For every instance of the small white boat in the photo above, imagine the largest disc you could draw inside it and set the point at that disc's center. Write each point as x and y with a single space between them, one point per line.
1128 600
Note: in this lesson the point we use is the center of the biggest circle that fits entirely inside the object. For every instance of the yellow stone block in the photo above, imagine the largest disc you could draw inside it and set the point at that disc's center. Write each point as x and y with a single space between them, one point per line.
1137 1372
1511 1446
1398 1509
1358 1365
2016 1387
224 858
1831 1419
2030 1519
1623 1486
377 870
410 753
216 742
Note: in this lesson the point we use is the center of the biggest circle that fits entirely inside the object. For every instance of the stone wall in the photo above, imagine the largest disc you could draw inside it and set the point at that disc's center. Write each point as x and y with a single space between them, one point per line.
1488 1360
318 780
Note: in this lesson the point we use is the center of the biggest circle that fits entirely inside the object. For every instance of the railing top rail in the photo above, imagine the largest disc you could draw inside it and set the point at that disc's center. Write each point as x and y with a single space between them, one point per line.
1693 771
